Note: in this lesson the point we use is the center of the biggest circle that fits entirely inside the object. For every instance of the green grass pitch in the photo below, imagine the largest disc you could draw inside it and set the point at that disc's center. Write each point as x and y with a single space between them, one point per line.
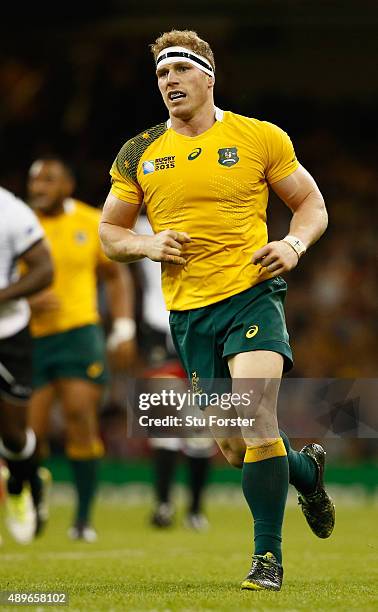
133 567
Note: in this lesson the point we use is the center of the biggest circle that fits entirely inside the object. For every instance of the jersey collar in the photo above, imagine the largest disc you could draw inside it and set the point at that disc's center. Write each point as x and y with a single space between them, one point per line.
219 114
69 206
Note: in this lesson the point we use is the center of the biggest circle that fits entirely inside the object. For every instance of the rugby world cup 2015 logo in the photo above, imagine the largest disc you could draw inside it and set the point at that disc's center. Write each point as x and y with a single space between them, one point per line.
148 167
228 157
160 163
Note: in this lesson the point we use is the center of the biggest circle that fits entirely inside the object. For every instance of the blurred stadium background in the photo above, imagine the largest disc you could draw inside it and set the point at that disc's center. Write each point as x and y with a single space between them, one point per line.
80 81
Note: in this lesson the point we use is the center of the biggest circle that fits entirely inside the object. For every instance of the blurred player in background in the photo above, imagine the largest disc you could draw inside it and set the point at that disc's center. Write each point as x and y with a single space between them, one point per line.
204 176
161 360
69 347
21 236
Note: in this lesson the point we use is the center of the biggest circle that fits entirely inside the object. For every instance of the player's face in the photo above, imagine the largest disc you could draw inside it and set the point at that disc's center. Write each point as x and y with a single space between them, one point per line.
48 185
185 89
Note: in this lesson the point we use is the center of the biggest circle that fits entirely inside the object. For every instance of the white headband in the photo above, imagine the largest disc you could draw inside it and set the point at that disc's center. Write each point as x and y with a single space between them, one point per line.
171 55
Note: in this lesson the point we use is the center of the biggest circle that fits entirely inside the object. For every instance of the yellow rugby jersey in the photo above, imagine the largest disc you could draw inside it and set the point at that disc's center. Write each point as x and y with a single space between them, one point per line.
214 187
76 251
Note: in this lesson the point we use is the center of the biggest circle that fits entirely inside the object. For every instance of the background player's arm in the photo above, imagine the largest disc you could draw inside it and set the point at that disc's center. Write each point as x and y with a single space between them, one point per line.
301 194
39 273
119 289
120 243
44 301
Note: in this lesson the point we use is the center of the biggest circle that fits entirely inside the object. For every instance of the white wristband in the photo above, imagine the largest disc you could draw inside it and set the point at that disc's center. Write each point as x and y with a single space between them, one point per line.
124 329
296 244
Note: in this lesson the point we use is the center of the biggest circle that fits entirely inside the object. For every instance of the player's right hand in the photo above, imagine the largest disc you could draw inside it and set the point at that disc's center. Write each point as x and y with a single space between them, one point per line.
167 247
44 301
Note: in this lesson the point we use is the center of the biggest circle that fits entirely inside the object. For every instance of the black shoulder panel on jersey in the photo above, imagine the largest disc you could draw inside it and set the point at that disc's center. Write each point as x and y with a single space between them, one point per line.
131 152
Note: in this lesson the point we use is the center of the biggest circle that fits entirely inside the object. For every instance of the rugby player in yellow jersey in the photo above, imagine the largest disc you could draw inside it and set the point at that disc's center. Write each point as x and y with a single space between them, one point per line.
69 349
204 176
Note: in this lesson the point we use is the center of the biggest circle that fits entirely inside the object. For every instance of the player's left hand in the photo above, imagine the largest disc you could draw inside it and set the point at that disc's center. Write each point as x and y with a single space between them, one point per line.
277 257
45 301
121 343
123 356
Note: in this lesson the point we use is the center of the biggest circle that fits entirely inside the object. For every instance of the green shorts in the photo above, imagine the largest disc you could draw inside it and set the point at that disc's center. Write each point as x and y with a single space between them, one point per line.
248 321
76 353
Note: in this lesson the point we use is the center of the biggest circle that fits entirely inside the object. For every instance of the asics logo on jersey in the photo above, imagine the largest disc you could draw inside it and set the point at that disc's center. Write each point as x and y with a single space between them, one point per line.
194 154
253 330
160 163
228 157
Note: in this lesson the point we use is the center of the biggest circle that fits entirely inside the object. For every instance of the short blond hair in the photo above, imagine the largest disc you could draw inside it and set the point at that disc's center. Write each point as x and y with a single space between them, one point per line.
183 38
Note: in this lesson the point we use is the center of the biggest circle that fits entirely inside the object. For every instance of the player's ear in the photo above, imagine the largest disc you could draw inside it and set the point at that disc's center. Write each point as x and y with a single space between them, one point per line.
210 81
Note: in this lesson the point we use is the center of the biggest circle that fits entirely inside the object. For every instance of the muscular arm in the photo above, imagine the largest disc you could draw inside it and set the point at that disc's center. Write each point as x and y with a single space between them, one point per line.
120 243
301 194
38 276
118 240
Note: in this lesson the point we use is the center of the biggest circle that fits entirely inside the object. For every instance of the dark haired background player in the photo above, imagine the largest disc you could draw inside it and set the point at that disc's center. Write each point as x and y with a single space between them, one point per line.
69 345
21 237
204 176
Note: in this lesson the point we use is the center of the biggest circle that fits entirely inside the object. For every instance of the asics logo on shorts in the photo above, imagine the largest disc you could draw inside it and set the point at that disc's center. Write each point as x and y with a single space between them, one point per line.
253 330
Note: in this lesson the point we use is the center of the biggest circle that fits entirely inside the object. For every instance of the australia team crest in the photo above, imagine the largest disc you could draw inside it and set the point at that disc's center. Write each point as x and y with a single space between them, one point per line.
228 156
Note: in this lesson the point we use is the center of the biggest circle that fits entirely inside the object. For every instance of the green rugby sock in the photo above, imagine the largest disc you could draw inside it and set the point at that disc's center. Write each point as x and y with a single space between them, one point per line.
303 473
85 472
265 482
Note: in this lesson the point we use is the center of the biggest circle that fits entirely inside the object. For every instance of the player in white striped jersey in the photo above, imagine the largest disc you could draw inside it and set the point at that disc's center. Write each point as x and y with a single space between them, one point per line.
21 237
